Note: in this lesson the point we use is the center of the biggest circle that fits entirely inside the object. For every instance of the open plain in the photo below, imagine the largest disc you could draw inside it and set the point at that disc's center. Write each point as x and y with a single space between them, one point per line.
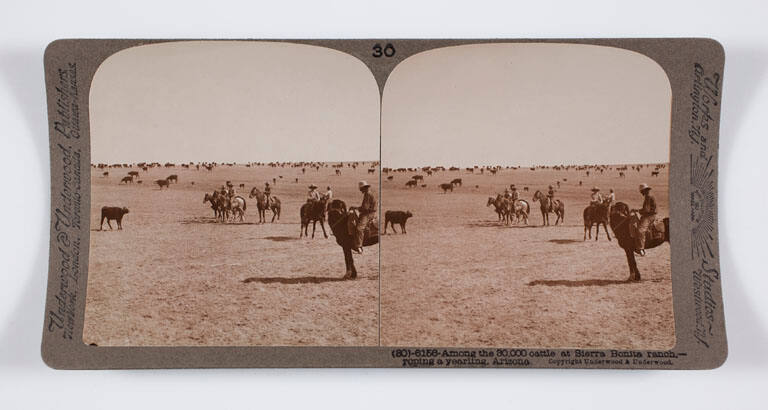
174 276
461 278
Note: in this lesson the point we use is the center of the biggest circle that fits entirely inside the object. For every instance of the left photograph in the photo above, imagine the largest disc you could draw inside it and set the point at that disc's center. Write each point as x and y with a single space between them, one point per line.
234 191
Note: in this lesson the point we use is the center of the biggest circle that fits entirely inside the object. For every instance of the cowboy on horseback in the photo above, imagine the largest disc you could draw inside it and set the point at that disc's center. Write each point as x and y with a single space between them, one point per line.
313 195
367 212
515 196
268 193
596 199
551 196
647 217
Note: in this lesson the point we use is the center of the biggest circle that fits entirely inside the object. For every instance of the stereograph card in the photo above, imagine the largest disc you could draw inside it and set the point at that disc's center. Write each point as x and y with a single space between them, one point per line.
483 203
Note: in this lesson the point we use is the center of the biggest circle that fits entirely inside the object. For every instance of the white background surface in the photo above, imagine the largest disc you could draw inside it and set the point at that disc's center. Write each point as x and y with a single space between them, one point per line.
27 26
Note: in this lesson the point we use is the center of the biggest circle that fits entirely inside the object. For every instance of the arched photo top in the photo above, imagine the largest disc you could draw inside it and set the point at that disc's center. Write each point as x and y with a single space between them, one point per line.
233 101
526 104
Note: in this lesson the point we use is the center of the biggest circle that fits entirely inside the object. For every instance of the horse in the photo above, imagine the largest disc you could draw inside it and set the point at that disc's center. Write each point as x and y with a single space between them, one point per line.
501 206
214 200
225 205
521 208
621 221
262 205
596 215
313 211
339 220
238 206
547 206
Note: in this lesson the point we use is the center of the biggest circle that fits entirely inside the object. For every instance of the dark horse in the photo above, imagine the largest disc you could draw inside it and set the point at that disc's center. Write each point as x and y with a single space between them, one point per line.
262 205
313 212
596 215
621 221
501 206
547 206
339 221
214 200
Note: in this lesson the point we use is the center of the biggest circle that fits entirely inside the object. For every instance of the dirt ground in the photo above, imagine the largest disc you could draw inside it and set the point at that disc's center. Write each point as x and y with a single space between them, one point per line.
175 277
459 278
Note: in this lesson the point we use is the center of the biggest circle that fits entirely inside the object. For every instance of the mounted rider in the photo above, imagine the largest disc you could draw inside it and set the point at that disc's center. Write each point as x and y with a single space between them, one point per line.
268 193
367 213
595 199
551 197
328 196
313 195
647 217
515 196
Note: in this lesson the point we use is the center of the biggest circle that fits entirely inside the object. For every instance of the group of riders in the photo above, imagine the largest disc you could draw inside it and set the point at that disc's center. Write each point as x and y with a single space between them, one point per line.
367 209
646 214
366 212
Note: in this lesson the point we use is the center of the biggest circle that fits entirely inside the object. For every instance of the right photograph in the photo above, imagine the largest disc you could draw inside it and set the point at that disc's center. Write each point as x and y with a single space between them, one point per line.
525 199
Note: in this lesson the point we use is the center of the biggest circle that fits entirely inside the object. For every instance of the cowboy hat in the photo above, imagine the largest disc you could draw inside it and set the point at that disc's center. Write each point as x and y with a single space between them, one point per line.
595 189
363 184
312 186
644 186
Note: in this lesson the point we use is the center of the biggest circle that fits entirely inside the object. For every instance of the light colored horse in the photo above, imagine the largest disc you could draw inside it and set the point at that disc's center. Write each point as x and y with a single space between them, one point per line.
238 206
522 209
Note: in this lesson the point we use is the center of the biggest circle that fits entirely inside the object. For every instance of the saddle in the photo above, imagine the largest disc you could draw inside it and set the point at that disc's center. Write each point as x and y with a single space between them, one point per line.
656 231
370 231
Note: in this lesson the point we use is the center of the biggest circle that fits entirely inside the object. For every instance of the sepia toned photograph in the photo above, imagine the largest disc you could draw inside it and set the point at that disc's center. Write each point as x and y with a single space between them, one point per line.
525 199
234 189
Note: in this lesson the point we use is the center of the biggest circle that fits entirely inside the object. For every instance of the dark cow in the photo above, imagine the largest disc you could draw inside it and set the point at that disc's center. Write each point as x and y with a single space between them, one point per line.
241 185
126 180
112 213
456 182
371 170
105 174
411 183
446 188
396 217
389 178
174 178
134 174
163 183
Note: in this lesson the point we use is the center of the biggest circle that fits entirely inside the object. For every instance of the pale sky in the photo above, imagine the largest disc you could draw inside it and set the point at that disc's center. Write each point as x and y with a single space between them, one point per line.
525 104
233 102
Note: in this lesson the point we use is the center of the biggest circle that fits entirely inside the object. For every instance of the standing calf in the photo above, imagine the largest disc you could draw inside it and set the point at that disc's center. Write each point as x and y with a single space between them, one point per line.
112 213
396 217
